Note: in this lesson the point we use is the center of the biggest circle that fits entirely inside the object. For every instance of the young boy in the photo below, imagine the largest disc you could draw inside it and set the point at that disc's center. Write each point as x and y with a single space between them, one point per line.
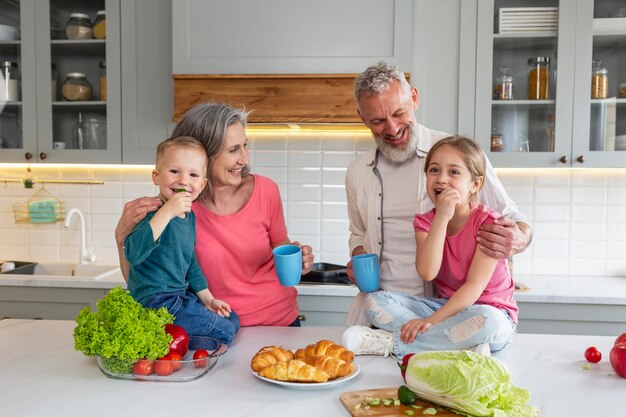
164 271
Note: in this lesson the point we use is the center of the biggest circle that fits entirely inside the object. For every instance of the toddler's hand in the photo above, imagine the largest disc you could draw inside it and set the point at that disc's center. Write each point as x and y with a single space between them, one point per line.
219 307
178 204
412 328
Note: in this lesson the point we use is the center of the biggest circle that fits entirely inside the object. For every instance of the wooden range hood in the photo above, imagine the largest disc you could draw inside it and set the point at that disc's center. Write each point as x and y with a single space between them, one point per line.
273 98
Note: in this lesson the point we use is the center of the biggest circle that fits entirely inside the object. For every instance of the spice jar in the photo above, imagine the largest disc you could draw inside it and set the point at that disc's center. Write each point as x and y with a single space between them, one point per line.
599 80
103 81
9 84
539 78
99 25
76 87
78 27
497 141
503 89
621 93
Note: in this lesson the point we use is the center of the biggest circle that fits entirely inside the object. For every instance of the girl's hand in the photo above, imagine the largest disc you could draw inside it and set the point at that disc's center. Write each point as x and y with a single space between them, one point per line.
447 202
307 257
219 307
178 205
412 328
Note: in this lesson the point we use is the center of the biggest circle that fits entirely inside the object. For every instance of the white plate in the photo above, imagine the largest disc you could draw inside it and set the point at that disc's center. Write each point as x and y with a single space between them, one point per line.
312 385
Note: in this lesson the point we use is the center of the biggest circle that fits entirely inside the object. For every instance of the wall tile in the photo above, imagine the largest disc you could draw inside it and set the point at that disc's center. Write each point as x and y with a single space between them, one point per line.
551 213
342 142
617 195
581 249
550 266
275 158
304 175
277 174
587 267
304 192
521 195
335 227
337 159
334 243
303 226
552 195
589 178
304 158
616 214
302 210
336 176
587 231
551 230
590 213
334 210
307 140
552 177
550 249
334 193
588 195
108 190
616 232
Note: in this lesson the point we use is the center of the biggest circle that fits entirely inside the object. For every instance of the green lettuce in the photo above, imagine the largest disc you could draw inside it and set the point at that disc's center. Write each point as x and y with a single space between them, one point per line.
470 383
122 329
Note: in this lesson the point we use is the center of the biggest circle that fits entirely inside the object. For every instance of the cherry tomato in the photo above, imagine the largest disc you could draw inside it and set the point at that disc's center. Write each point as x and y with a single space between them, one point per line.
593 355
199 358
176 360
164 366
143 367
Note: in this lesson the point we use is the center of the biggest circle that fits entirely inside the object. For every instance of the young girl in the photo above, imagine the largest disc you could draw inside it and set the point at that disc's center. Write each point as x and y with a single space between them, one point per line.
475 305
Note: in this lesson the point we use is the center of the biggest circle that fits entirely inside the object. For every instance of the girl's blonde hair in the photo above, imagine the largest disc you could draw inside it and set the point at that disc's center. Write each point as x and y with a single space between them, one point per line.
471 153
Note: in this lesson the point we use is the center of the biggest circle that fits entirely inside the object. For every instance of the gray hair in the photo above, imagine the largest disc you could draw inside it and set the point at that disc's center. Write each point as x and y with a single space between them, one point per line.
208 122
377 79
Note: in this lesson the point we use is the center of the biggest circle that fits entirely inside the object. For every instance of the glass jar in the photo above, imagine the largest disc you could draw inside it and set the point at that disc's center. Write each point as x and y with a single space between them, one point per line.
539 78
53 83
9 84
78 27
76 87
599 80
99 25
497 141
103 81
503 89
550 133
621 93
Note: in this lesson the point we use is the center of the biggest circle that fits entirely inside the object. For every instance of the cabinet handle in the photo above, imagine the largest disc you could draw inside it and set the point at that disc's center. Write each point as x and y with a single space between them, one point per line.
28 156
563 159
302 317
43 156
581 159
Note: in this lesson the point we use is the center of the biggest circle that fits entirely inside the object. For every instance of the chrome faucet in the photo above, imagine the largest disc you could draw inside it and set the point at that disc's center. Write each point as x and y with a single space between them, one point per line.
84 256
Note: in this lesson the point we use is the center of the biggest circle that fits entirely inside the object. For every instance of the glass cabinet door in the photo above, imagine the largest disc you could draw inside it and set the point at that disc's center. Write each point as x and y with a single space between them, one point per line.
522 111
600 88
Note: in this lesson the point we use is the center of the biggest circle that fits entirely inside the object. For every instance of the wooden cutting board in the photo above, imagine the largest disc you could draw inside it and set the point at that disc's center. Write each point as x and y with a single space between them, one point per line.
350 399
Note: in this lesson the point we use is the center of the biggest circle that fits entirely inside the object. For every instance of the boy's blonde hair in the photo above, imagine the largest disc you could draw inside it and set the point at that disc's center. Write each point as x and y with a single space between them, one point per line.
471 153
181 141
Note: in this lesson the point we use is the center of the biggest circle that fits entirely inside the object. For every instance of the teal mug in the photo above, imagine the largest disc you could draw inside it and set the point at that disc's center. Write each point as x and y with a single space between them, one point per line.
288 263
366 272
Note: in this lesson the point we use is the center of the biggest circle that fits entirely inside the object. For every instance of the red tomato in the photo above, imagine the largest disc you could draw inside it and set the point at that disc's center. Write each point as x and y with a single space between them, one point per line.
620 339
143 367
176 360
618 359
199 358
593 355
164 366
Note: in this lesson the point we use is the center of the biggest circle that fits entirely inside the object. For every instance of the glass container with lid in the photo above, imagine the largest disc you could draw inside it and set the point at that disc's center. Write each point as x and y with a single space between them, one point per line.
9 84
76 87
621 93
599 80
539 78
99 25
78 27
503 89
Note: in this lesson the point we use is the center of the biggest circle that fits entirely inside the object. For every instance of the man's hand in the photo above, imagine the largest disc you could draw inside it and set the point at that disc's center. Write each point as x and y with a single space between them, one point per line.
132 214
503 238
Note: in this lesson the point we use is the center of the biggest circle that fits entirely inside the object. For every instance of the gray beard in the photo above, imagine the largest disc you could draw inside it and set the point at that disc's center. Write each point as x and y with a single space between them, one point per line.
396 154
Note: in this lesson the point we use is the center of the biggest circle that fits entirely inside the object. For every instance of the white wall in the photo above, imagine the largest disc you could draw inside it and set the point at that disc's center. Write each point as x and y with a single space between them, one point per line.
580 225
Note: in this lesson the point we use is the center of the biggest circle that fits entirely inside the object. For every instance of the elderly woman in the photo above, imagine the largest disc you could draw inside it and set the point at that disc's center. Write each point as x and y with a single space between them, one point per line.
239 220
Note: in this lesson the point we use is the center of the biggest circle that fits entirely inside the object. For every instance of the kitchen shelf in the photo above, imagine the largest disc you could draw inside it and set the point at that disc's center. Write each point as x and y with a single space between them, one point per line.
91 47
523 103
524 41
82 105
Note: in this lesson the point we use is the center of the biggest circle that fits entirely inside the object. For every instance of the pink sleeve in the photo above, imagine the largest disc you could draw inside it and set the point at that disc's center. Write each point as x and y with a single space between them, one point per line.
277 228
422 222
484 215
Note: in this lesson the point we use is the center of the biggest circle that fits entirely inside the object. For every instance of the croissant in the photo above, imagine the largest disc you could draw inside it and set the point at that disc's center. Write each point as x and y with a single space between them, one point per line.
335 368
327 348
270 355
293 371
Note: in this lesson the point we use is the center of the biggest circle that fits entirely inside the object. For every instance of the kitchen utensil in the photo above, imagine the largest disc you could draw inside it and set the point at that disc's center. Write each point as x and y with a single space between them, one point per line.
288 263
351 399
366 272
325 273
312 385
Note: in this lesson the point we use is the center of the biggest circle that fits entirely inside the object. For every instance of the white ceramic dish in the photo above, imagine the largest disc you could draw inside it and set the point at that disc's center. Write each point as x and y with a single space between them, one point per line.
312 385
9 33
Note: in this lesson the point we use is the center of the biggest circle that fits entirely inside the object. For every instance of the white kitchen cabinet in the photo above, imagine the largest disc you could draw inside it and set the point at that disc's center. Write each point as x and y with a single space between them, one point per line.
31 127
289 36
567 128
324 310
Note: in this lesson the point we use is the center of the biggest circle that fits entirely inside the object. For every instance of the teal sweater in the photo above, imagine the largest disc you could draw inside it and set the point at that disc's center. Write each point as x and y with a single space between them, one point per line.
168 265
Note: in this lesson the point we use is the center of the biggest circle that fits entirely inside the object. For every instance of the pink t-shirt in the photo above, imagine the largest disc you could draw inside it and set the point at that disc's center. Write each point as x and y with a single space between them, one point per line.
458 253
235 254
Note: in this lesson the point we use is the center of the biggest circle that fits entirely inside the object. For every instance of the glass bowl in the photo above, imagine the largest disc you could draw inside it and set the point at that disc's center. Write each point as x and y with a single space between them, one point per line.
186 370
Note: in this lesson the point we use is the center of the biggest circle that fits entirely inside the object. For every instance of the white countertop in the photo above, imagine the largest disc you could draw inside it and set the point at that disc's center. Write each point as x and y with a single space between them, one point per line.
42 375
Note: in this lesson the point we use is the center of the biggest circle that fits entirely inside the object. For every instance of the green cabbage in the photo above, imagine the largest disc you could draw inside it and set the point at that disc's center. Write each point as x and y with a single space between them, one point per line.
470 383
122 329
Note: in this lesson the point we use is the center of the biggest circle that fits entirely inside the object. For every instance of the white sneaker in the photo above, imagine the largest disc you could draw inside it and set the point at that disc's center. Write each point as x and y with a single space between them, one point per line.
483 349
363 340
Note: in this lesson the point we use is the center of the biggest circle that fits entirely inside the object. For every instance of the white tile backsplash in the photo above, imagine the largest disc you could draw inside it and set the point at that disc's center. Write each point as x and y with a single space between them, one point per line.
579 216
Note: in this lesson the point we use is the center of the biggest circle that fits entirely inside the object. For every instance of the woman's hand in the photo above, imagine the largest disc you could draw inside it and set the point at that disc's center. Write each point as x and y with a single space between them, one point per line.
307 257
412 328
132 214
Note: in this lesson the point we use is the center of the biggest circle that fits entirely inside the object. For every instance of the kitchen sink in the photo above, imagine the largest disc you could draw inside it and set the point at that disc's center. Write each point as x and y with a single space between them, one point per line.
62 270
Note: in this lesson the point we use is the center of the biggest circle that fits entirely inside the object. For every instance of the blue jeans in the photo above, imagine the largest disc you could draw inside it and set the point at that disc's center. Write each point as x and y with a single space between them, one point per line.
471 326
204 327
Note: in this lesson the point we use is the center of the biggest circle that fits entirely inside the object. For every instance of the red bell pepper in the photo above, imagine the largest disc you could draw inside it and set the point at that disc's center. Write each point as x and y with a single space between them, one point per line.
180 339
404 364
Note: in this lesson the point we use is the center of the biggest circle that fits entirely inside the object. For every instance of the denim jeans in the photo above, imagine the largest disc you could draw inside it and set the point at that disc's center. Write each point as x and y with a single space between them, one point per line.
205 328
471 326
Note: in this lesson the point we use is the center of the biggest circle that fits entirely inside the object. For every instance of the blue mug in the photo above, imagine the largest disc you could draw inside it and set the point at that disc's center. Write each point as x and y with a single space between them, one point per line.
366 272
288 263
